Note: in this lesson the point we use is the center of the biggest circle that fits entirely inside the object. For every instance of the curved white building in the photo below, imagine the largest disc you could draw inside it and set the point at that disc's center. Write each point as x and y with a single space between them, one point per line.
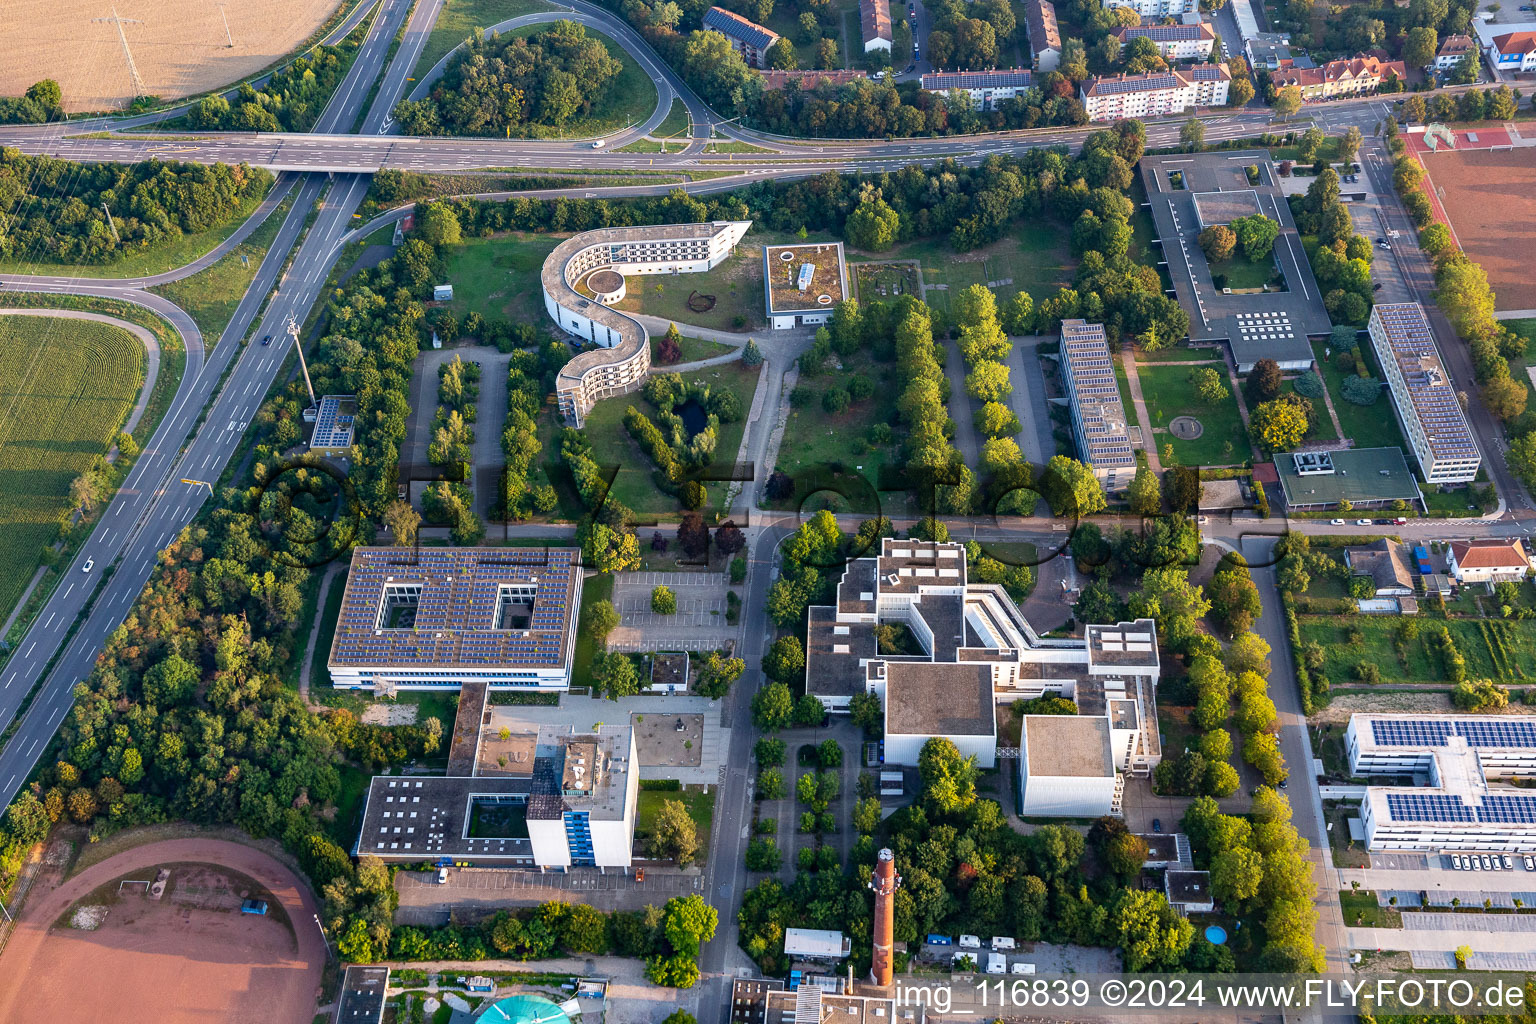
623 356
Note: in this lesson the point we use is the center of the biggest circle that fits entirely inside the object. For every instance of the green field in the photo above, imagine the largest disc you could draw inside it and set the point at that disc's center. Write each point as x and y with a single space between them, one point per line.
1371 426
499 276
593 589
634 485
319 669
736 284
156 259
65 388
676 122
211 296
813 437
1035 257
1527 330
701 808
1243 275
460 18
1168 394
1324 430
1362 910
1498 649
694 349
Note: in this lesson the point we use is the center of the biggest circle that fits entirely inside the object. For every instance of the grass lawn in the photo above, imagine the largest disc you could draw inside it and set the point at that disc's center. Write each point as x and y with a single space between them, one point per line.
1242 274
701 808
736 284
1498 649
1527 330
1169 393
676 122
460 18
65 388
1329 151
1324 430
349 803
1371 426
499 276
634 485
1362 910
693 350
812 437
593 589
1179 354
629 99
319 671
1035 257
211 296
156 259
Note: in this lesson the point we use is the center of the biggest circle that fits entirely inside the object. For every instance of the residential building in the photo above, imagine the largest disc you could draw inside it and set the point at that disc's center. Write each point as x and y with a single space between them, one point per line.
802 284
1360 74
1044 34
1112 97
334 421
1098 416
438 618
809 79
1487 561
1153 10
978 651
1167 850
1268 51
875 24
1513 51
748 38
621 356
1452 50
1452 805
578 792
1364 477
1174 42
1188 892
984 89
1384 565
1427 406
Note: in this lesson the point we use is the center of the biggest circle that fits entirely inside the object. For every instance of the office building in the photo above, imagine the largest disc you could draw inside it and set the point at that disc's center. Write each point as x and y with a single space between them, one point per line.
1098 415
1427 406
802 284
1365 477
621 353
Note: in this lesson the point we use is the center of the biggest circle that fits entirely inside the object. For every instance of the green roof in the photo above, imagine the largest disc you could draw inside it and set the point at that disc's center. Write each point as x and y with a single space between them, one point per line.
1359 475
523 1009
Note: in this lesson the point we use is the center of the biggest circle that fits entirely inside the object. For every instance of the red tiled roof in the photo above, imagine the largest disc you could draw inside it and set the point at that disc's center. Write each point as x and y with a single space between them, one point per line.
810 79
1490 554
1044 33
1455 45
1515 42
875 19
1340 70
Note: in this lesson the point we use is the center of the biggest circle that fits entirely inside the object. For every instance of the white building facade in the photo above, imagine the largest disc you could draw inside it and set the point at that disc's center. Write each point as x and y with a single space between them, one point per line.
1110 98
1155 9
590 822
1174 42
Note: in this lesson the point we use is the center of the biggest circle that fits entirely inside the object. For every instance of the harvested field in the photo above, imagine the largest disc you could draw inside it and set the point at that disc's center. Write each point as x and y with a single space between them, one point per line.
182 959
179 50
1490 198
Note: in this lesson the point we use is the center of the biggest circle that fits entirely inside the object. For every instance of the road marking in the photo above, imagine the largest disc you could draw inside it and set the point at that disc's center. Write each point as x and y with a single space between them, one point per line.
50 620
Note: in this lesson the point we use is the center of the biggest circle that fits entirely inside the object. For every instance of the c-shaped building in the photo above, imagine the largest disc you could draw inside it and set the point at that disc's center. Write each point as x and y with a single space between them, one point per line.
583 277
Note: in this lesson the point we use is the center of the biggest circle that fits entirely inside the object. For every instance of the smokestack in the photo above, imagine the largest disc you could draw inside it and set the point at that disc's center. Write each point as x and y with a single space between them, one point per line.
885 883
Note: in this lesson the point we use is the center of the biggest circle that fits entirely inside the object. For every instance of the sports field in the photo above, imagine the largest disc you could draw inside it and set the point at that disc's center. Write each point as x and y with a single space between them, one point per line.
65 387
1489 197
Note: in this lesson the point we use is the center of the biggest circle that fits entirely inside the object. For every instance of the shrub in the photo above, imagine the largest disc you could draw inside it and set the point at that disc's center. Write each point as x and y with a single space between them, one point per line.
1310 385
1360 390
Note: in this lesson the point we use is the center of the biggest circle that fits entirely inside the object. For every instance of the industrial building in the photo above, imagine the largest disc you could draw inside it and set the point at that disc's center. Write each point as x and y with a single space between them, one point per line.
621 355
978 652
577 794
1422 393
437 618
1098 416
1448 761
802 284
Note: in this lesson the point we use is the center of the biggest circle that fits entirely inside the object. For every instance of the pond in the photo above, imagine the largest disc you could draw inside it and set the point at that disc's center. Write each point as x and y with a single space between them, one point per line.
693 416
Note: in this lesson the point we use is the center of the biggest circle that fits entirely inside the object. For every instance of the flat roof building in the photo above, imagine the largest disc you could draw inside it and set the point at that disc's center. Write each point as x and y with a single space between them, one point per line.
621 356
1427 407
334 422
978 651
1365 477
747 38
1098 416
1213 208
1188 892
1067 767
817 1000
802 284
816 944
435 618
363 990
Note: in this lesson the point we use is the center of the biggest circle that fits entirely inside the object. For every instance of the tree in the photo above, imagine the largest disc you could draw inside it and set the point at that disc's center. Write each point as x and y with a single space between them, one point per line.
616 675
602 618
439 225
663 601
1278 426
1240 91
1235 875
873 225
1144 494
606 550
1072 489
1256 234
1415 109
1234 599
1210 388
949 779
785 660
773 707
673 834
716 673
693 535
751 355
1149 932
1264 381
1350 142
865 711
1217 242
1287 102
781 55
809 710
402 522
1192 134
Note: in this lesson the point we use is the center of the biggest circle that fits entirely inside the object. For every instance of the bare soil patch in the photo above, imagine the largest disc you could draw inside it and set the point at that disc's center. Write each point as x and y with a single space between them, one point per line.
180 49
1490 198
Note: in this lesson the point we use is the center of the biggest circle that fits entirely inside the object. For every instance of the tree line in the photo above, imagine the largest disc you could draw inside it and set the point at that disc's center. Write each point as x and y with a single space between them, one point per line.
56 209
292 100
41 102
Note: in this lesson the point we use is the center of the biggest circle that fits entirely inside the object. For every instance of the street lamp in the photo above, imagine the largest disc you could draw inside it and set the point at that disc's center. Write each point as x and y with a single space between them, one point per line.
7 913
323 937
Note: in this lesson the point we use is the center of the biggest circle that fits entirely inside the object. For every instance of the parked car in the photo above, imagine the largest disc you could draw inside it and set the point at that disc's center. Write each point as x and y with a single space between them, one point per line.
1487 864
1362 522
1336 522
1509 865
1157 824
1400 521
639 874
1456 862
1383 522
1530 863
1473 863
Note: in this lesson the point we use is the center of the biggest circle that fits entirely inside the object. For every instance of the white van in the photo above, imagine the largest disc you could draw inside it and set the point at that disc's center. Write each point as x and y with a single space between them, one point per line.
598 144
1023 968
1003 943
970 942
997 963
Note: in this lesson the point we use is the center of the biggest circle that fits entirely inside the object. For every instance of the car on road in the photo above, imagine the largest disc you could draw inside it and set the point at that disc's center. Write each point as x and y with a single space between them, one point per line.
598 143
267 340
1157 824
1362 522
90 563
1336 522
1285 783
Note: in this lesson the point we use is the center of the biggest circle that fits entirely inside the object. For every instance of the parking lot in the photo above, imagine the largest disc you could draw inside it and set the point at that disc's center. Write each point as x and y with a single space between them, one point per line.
699 623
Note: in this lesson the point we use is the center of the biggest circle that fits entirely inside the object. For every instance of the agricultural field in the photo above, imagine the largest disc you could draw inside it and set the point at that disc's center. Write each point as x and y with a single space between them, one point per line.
1169 394
180 47
499 276
458 21
65 388
1503 650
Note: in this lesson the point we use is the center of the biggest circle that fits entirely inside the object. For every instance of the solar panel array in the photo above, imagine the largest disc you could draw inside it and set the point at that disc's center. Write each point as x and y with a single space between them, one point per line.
1410 344
1439 807
1015 79
333 423
1207 73
1135 83
1432 732
1164 33
1096 395
734 26
1507 809
459 591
